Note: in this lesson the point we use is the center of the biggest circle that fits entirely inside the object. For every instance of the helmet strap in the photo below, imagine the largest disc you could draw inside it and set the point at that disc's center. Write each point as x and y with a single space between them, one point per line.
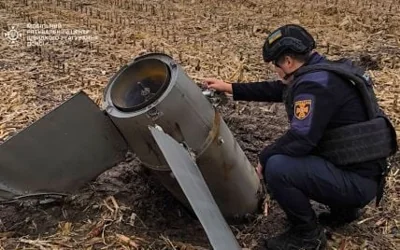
287 76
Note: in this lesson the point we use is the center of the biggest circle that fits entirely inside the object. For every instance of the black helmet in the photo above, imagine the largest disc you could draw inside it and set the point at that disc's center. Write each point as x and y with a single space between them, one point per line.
290 37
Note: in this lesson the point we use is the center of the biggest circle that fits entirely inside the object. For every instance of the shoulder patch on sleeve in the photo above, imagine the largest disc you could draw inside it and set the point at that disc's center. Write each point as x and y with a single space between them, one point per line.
302 108
303 113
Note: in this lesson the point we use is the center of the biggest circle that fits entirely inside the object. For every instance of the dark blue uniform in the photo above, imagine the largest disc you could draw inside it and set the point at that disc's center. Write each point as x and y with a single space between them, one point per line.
322 101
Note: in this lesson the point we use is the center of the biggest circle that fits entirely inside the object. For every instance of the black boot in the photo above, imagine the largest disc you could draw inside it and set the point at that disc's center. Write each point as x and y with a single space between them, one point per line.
298 238
338 217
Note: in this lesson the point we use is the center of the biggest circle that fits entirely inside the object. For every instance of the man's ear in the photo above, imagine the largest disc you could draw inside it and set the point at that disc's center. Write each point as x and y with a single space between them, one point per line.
290 61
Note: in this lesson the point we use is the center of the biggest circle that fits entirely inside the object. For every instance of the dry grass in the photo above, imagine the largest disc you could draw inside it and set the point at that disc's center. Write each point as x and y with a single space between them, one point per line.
210 39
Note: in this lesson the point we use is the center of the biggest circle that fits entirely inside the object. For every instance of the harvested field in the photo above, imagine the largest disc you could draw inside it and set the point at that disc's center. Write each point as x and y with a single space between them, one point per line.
125 208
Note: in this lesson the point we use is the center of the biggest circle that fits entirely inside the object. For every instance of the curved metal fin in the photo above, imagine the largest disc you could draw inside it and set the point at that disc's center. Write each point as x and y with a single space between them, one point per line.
196 190
60 152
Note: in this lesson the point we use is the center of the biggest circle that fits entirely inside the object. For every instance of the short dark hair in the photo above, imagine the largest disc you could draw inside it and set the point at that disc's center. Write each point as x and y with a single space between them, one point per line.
297 56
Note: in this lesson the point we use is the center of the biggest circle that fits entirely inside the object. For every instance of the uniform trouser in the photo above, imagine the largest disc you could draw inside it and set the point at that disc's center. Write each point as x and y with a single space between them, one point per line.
293 181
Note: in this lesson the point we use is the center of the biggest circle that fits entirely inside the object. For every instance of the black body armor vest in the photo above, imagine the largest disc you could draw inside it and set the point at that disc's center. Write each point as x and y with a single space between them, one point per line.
355 143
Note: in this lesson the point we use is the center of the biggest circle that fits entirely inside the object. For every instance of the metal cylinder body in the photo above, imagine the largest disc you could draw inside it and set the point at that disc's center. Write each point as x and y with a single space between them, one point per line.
154 90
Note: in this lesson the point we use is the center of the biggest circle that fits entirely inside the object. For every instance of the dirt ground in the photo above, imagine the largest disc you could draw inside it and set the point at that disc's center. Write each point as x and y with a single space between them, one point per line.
126 208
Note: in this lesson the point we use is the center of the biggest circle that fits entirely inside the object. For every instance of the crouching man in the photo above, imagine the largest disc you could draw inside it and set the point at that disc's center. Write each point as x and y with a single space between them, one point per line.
335 151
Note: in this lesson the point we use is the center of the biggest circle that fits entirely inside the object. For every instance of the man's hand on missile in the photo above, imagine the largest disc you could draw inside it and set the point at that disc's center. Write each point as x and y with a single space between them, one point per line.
218 85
